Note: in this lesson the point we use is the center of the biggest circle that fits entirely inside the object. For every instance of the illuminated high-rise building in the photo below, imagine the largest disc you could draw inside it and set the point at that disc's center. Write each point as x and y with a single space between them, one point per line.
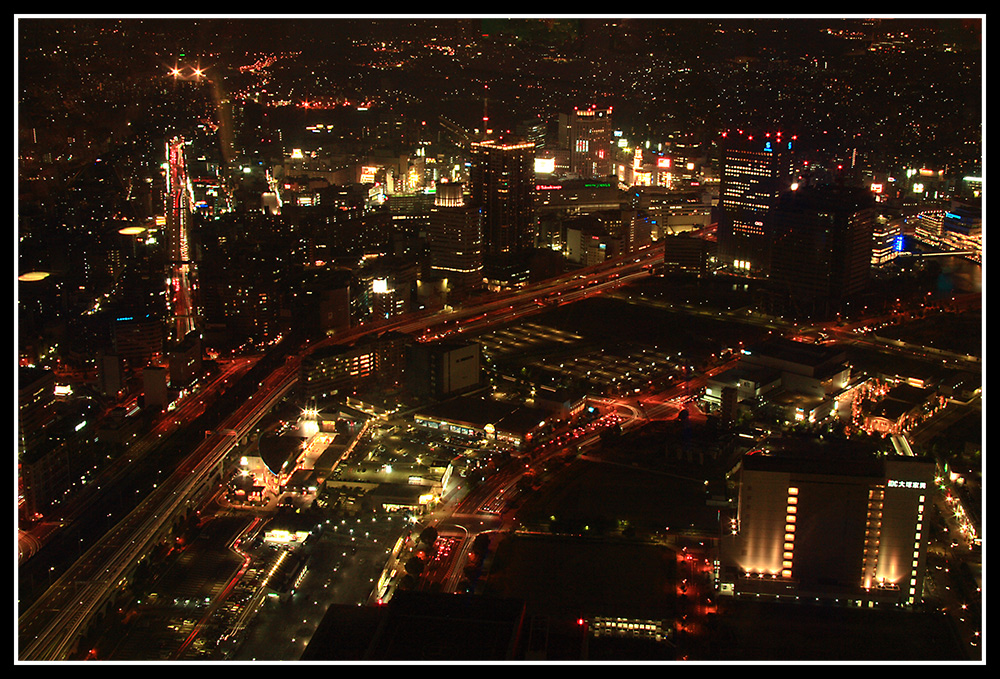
391 284
829 525
755 170
502 185
455 239
590 142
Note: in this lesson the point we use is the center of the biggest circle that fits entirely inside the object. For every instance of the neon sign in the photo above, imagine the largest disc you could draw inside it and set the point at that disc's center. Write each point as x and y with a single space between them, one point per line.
893 483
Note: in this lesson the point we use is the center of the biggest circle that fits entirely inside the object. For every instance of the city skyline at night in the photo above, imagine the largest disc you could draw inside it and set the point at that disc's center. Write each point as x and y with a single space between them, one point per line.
434 338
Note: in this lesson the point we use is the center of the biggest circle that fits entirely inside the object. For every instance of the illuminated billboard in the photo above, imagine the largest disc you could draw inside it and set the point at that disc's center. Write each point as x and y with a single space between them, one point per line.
279 536
545 165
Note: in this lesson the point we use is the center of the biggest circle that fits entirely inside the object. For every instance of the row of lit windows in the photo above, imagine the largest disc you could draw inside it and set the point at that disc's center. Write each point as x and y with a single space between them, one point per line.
747 202
874 529
791 510
624 626
747 171
748 229
916 549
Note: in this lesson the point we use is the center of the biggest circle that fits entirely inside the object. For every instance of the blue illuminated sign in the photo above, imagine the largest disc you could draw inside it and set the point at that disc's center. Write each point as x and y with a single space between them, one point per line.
897 244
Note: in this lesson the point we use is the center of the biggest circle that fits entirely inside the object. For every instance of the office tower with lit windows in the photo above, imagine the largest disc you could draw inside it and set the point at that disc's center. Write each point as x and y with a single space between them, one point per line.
137 337
822 245
590 142
391 286
502 185
336 370
455 239
755 170
887 242
834 525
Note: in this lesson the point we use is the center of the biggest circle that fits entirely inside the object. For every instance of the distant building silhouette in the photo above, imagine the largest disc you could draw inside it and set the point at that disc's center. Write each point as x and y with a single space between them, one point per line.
822 245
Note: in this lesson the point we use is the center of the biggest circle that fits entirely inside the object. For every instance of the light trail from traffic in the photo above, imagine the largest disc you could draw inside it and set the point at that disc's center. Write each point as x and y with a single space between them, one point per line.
180 199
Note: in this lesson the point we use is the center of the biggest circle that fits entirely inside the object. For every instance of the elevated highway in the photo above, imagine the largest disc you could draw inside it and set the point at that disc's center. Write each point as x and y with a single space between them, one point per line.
53 626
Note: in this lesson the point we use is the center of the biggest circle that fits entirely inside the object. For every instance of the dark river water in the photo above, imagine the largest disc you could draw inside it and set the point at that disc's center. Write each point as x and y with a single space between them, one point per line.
959 276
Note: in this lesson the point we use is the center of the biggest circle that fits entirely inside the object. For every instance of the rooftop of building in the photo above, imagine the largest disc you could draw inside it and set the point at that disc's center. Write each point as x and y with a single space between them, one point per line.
28 376
304 478
909 394
478 412
757 374
839 457
803 353
275 451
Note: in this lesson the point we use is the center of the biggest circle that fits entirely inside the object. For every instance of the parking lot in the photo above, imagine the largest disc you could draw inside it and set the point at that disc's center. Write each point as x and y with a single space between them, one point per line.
547 356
